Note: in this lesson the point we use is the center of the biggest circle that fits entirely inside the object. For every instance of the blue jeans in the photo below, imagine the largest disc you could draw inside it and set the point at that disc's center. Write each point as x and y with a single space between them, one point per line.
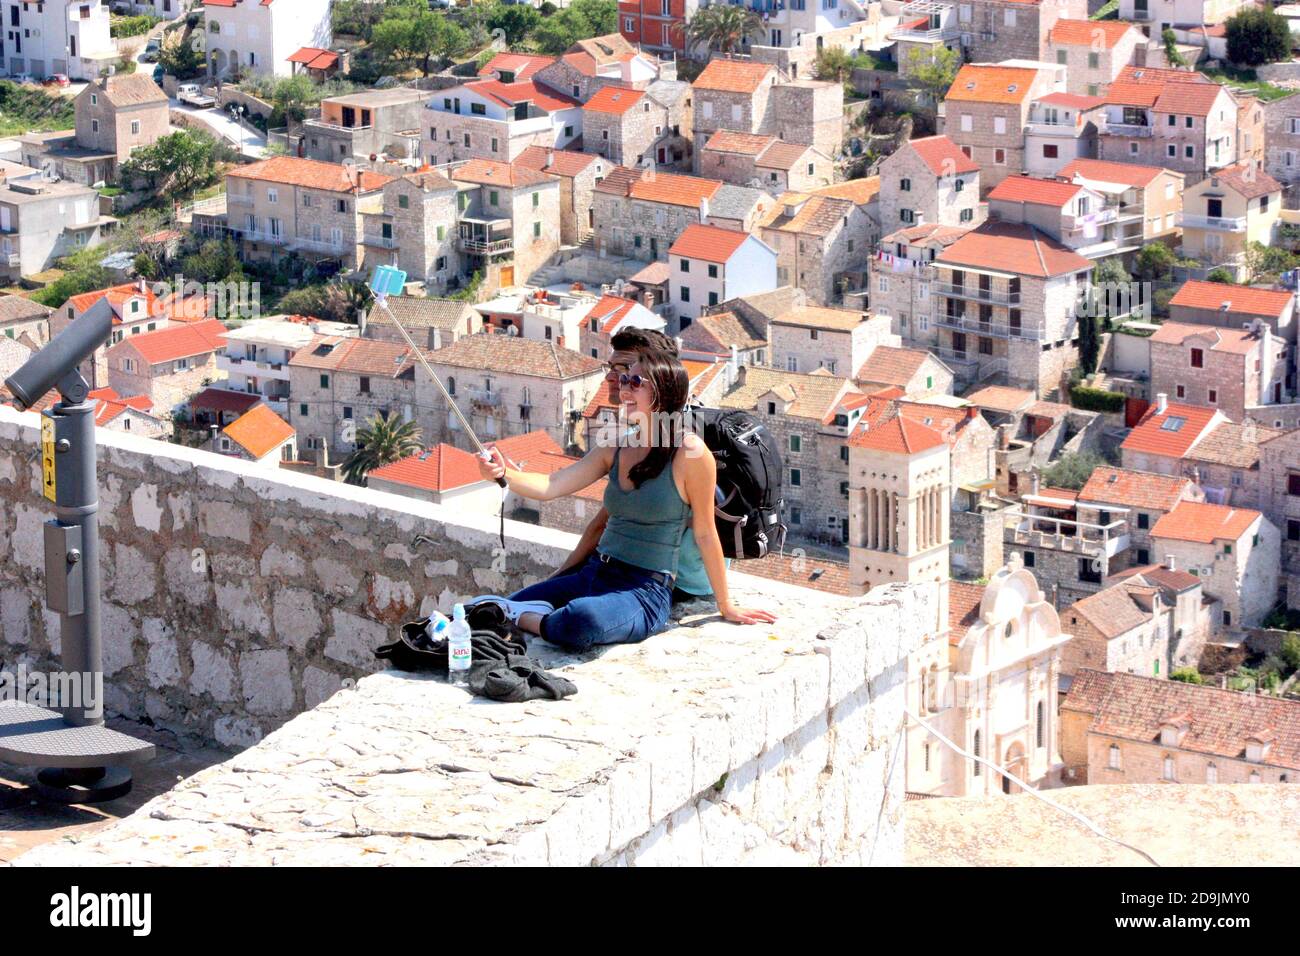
600 604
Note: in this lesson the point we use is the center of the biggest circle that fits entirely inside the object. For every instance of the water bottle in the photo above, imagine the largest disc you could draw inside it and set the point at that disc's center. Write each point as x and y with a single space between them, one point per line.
458 647
437 626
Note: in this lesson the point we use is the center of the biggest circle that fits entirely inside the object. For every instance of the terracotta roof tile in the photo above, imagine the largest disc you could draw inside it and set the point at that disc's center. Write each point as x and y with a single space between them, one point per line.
819 574
892 365
1234 445
613 99
524 91
361 356
987 83
1100 170
1013 248
1193 99
813 216
1237 299
1135 489
673 190
442 468
1094 34
860 192
177 342
1039 192
734 76
522 448
811 396
708 243
489 172
523 65
1160 576
512 355
822 317
1073 101
1172 432
314 58
1246 180
558 162
963 608
1204 523
618 181
943 156
224 400
1000 398
731 141
782 155
721 330
132 89
1112 610
310 174
259 431
1213 337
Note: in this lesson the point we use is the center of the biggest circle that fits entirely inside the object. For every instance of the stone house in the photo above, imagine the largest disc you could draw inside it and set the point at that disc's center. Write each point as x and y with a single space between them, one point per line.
1228 210
247 37
818 240
605 319
416 230
1093 52
488 119
1166 434
1234 307
928 181
507 385
578 174
591 64
1005 301
1177 119
986 109
1282 139
354 127
724 334
167 366
809 338
43 221
632 127
1149 193
114 116
800 411
1279 499
259 435
1163 14
508 66
710 265
132 415
1194 616
1062 128
507 216
1123 627
1119 728
1236 552
901 279
288 205
435 321
1252 130
916 373
1230 369
133 309
24 321
1140 498
765 162
337 384
1006 29
1078 217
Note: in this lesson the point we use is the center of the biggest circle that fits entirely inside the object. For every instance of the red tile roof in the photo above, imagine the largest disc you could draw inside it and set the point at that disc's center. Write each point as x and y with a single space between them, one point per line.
521 448
733 76
892 365
963 608
558 162
1219 722
117 295
1239 299
819 574
1246 180
310 174
314 58
1204 523
1094 34
1100 170
1040 192
731 141
442 468
177 342
259 431
548 463
489 172
943 156
1134 489
1113 610
674 190
894 432
610 310
523 65
1171 433
613 99
708 243
1014 248
521 91
1001 398
988 83
1159 575
1232 341
1073 101
224 400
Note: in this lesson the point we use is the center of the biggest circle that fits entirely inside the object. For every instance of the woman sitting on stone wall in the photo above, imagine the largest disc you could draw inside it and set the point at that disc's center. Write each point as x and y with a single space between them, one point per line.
660 478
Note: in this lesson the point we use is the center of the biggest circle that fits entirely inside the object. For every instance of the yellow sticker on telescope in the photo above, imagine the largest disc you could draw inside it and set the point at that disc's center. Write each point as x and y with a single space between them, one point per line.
47 455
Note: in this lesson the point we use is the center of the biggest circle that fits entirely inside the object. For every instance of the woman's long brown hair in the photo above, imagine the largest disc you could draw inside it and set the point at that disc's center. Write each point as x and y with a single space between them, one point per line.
672 388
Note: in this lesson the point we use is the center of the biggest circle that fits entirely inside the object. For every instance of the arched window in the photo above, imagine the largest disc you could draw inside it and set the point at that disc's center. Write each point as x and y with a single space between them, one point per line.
214 26
1040 724
925 677
1114 763
976 750
451 386
1211 774
1168 767
932 689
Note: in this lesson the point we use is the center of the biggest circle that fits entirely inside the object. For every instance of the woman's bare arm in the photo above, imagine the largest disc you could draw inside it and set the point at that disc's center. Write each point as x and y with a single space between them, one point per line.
541 487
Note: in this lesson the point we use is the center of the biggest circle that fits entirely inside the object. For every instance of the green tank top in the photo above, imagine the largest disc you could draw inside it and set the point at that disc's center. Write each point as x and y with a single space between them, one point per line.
691 576
645 525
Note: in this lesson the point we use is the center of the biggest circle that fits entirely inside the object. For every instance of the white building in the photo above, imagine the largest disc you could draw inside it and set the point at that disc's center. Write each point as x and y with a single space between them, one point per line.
709 265
256 359
261 35
57 36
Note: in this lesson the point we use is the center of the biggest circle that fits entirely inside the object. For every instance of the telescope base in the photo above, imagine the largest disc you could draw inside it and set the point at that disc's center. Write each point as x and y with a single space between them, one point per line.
83 784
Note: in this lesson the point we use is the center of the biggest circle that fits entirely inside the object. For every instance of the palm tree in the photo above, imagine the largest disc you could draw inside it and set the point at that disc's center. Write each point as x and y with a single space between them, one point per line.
724 27
383 441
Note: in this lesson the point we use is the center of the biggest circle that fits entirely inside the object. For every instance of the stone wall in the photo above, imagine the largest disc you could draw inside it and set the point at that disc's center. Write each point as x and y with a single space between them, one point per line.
235 596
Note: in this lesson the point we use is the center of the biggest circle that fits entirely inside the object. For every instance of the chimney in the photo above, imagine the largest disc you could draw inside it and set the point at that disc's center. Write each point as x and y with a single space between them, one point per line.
325 452
362 321
550 158
735 358
704 209
972 412
1171 562
1033 482
142 287
1004 437
103 81
1162 403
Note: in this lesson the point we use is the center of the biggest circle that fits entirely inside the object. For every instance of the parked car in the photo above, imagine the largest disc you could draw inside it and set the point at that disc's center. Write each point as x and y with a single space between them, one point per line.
192 94
158 74
56 79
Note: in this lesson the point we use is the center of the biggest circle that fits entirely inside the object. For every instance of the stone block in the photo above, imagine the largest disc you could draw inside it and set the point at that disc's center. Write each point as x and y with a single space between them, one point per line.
335 577
846 649
211 672
15 616
28 543
278 562
318 686
224 519
162 659
685 838
669 755
778 706
118 634
770 791
629 802
297 621
850 728
811 674
134 575
711 751
238 607
145 509
267 681
390 601
746 724
578 832
653 849
353 640
740 787
236 732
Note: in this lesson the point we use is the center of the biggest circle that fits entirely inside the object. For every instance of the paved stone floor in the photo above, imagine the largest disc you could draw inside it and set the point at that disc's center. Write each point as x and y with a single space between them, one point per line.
26 822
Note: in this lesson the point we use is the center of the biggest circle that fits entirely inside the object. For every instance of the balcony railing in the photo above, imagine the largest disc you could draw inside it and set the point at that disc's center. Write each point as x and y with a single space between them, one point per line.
1059 128
12 259
317 245
996 330
483 396
979 295
1129 129
1217 223
261 235
939 33
384 242
489 247
1098 218
971 364
236 199
326 124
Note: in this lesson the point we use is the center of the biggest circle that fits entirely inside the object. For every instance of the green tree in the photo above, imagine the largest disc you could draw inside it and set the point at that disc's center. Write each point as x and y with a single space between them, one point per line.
580 20
1290 652
292 97
932 74
515 20
834 63
1089 340
1267 261
416 38
1188 675
1221 274
1155 261
1110 285
1073 469
384 440
1256 36
724 27
182 54
1171 49
179 162
216 260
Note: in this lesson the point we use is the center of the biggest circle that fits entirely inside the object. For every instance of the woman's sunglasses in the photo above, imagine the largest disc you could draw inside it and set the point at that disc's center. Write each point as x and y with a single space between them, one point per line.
634 381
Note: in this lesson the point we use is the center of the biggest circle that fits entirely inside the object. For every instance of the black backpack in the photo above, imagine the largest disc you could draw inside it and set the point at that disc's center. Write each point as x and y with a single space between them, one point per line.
747 501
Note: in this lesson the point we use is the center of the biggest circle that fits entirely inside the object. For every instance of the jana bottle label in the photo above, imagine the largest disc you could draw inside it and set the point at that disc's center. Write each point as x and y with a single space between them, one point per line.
460 656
